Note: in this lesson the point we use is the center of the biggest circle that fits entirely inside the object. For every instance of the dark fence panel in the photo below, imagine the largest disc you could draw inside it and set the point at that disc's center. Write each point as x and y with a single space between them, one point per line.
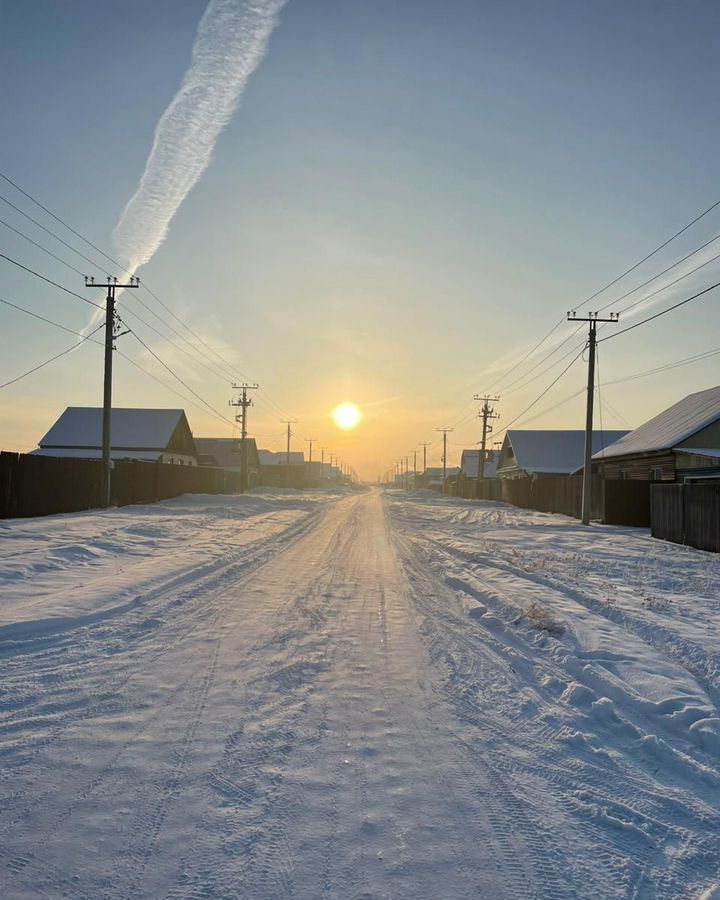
667 512
702 516
627 503
43 485
516 491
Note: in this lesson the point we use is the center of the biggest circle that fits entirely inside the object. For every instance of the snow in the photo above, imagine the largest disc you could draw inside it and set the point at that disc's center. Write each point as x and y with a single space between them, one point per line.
336 694
550 452
133 429
671 427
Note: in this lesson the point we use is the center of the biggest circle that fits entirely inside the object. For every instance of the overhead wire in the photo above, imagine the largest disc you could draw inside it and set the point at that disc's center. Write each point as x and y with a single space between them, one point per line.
49 281
83 339
237 372
662 312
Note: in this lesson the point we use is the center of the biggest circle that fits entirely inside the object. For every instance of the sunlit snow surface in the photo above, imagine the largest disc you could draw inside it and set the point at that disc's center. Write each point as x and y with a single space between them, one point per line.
355 695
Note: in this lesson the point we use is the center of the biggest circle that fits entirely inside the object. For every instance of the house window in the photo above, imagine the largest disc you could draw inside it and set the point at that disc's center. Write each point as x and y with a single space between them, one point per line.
623 474
656 473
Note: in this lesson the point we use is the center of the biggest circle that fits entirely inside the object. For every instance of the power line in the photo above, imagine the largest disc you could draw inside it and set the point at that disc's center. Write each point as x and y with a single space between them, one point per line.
649 255
42 318
40 246
661 313
53 358
235 372
182 382
548 388
49 281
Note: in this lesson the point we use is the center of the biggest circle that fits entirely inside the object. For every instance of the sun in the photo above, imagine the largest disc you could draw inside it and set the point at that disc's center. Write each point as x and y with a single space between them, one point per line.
347 416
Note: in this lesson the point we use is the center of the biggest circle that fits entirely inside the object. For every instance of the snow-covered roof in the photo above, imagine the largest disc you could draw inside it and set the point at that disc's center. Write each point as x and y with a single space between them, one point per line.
227 452
671 427
81 426
551 452
271 458
469 463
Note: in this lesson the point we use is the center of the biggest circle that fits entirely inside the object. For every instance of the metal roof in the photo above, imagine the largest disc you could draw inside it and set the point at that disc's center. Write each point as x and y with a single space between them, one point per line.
279 458
469 463
551 452
671 427
137 429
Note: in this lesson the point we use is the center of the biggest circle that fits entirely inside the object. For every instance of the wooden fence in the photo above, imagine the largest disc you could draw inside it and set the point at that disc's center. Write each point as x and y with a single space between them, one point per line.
687 514
43 485
553 494
613 502
472 489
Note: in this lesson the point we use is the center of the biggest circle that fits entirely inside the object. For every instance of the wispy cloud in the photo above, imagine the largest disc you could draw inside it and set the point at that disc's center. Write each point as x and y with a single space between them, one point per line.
231 41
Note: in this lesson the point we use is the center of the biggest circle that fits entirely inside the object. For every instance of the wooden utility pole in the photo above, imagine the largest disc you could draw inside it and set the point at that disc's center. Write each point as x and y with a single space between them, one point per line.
414 469
288 422
111 285
593 319
424 445
310 441
243 402
322 462
486 413
445 432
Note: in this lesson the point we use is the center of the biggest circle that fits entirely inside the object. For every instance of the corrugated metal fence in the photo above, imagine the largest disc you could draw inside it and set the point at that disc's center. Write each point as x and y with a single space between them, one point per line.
42 485
687 514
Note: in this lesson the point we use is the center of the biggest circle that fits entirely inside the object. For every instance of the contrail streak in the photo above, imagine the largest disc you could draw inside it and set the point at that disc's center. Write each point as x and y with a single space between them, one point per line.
231 41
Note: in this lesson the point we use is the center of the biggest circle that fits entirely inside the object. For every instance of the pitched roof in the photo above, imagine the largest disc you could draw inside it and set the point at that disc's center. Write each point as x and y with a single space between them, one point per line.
551 452
671 427
469 463
81 426
271 458
227 452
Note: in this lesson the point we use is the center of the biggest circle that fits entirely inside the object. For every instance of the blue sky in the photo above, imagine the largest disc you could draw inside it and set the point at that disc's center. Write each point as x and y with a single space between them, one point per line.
408 193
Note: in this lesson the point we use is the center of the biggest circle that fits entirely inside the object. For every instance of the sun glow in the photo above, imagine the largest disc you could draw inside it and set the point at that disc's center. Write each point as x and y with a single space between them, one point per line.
347 416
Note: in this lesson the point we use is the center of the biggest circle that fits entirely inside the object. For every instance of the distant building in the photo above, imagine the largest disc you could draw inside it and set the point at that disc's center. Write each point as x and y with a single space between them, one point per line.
682 443
226 453
470 463
275 471
536 453
156 435
432 477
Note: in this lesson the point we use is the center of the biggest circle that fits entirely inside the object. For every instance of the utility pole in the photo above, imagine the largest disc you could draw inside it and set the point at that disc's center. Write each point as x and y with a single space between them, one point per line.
592 319
322 462
288 422
486 413
111 285
243 402
414 469
424 445
445 432
310 441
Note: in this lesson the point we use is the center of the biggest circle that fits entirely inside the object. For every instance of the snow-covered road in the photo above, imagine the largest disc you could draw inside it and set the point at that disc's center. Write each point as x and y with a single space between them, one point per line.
355 696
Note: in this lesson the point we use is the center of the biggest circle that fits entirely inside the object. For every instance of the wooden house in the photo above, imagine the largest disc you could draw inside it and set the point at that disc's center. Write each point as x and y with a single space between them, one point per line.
682 443
155 435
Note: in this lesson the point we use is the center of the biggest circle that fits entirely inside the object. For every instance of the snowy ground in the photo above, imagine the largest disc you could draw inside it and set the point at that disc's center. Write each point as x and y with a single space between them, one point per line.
353 695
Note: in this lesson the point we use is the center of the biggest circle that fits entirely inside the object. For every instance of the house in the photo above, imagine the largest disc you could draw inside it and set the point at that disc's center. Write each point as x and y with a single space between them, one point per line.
432 477
155 435
275 471
537 453
226 453
680 444
470 463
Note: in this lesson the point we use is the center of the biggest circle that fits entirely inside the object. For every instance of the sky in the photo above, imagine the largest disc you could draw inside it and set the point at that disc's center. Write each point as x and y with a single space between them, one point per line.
408 197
